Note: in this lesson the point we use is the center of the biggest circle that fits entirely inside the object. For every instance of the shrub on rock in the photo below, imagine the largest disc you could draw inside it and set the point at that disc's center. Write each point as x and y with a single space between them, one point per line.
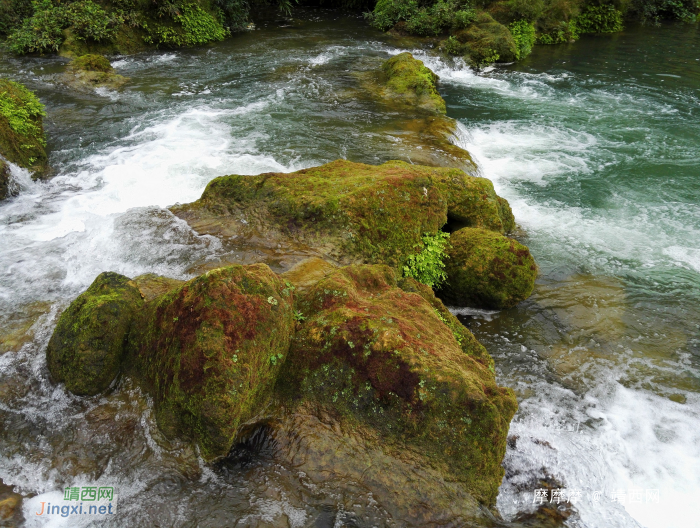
383 357
487 270
210 351
87 346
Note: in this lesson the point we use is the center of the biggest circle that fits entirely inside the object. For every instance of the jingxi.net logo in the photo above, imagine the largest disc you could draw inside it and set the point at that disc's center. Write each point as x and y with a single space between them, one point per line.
83 500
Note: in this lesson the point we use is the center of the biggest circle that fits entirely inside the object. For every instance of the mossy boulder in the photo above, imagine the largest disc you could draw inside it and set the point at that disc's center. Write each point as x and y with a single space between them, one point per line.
487 270
87 346
348 212
210 350
381 356
93 71
486 41
5 189
22 139
410 80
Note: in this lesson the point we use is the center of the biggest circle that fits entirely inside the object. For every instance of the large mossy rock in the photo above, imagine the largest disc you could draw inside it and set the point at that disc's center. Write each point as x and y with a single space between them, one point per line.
88 344
210 351
488 41
487 270
93 71
381 356
22 138
409 79
348 212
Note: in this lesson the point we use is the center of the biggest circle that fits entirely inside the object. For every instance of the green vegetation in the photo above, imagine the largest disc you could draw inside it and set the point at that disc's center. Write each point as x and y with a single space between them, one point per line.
524 36
487 31
428 266
22 138
190 26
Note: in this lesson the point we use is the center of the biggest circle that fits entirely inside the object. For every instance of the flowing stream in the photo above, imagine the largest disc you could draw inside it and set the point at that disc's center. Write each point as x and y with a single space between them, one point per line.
595 144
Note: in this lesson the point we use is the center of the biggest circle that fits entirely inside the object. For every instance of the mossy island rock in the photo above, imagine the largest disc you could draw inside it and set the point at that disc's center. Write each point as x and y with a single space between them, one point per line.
387 358
348 212
486 41
93 71
409 79
210 351
22 139
487 270
87 346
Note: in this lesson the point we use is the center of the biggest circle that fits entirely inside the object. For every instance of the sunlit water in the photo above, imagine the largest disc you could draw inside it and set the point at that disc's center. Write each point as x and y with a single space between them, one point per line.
596 146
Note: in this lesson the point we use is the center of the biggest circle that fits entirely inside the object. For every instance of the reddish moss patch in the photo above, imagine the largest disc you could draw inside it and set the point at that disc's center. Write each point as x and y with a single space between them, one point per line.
383 356
210 350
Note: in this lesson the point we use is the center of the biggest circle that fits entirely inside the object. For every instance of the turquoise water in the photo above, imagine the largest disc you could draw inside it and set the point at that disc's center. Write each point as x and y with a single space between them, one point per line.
595 144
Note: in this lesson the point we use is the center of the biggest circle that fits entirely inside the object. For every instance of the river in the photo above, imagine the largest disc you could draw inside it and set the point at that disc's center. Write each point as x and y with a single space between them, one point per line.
595 144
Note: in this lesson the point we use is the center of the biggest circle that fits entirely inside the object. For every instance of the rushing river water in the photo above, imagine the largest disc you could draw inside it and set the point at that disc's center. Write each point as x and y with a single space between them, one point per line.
595 144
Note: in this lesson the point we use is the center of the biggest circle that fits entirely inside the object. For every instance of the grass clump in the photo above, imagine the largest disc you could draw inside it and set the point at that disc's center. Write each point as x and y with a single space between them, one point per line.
428 266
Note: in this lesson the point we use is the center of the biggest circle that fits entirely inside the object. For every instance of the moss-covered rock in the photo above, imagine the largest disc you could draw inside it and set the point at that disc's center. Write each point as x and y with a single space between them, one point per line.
22 138
210 351
93 71
487 270
87 346
382 357
348 212
410 80
4 180
487 41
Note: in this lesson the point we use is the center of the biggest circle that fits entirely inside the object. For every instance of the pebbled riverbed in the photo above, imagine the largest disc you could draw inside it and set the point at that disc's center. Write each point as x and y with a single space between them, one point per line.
596 146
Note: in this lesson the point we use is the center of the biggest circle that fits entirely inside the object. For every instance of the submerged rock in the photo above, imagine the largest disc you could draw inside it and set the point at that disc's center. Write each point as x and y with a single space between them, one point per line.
22 138
383 357
408 79
487 270
210 351
87 346
348 212
93 71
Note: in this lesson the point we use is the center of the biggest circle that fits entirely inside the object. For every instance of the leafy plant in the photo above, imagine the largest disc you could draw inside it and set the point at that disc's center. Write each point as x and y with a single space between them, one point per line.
428 266
524 35
90 21
41 32
21 109
600 19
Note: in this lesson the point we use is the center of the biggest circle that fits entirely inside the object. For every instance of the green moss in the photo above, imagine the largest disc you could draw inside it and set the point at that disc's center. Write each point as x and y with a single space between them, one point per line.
487 270
92 70
385 357
22 138
348 211
487 41
210 350
410 79
92 63
87 346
